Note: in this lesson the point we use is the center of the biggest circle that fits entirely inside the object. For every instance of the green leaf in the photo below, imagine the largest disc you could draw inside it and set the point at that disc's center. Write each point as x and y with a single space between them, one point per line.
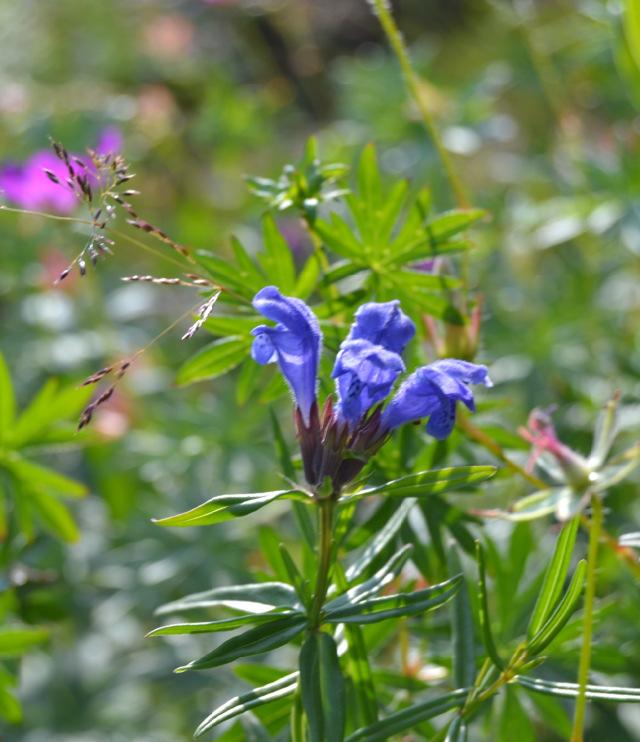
380 540
248 271
295 577
631 25
457 731
515 723
10 708
359 668
224 325
373 610
225 274
374 584
554 578
409 717
41 478
277 259
226 507
483 610
281 688
16 640
50 405
337 236
462 628
562 613
432 482
54 516
257 640
214 359
223 624
450 223
258 597
423 249
322 688
7 399
615 694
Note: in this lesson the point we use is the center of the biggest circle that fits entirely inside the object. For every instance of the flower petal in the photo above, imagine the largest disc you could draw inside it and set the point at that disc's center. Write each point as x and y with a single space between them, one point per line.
295 343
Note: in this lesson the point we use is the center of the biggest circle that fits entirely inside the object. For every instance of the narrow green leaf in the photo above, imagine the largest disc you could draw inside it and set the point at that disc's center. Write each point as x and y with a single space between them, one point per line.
380 540
407 718
258 597
225 325
483 610
50 405
226 507
615 694
254 641
277 259
554 578
223 624
514 723
16 640
301 513
423 249
322 688
295 577
54 516
457 731
450 223
7 399
36 477
385 575
280 688
359 669
214 360
248 271
432 482
562 613
631 24
462 628
337 236
225 274
373 610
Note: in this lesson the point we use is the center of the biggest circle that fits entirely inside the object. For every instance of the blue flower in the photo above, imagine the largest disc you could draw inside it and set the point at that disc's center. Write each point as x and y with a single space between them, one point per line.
432 391
369 361
295 343
382 324
364 375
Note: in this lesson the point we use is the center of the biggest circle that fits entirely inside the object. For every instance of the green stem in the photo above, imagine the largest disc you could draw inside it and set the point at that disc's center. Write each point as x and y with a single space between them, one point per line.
381 9
587 631
325 548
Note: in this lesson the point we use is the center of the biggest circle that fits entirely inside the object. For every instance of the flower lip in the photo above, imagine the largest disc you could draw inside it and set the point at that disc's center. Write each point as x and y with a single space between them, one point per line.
364 374
383 323
295 343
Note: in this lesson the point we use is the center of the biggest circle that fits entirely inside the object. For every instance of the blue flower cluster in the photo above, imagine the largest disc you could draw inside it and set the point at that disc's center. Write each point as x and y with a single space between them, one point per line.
367 366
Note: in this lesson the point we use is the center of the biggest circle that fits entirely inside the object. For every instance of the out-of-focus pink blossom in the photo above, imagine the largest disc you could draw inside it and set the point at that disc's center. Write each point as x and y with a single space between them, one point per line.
26 184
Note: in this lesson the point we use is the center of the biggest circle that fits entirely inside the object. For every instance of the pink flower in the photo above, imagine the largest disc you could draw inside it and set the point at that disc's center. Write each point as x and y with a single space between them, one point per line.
27 185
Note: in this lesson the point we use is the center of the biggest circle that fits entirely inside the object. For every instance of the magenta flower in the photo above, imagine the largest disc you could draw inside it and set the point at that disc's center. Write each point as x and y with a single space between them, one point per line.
26 185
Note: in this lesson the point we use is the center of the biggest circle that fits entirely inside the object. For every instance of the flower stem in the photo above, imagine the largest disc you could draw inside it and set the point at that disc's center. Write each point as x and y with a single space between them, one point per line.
587 631
325 550
381 9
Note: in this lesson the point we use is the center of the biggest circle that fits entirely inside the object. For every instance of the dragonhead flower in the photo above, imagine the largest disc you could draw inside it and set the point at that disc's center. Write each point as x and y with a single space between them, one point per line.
432 391
337 443
295 343
369 360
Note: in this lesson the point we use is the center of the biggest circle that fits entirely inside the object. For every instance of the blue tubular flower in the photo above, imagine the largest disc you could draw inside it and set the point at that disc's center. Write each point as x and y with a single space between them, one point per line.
295 343
382 324
364 375
433 391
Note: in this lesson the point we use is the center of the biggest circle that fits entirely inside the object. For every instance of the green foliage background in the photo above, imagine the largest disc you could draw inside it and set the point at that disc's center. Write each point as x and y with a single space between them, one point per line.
538 102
